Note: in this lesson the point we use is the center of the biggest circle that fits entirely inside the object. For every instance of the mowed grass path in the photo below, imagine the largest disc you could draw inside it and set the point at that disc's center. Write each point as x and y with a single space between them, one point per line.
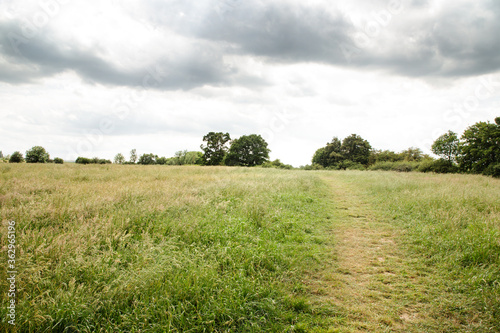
414 253
199 249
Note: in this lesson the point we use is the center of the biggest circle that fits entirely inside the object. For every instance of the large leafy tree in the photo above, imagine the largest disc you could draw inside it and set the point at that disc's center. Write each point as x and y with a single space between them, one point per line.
37 154
356 149
216 148
248 150
147 159
447 146
329 155
480 147
340 154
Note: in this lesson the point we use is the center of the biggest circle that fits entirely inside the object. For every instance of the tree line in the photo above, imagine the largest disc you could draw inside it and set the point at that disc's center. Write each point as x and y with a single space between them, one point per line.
36 154
219 149
476 151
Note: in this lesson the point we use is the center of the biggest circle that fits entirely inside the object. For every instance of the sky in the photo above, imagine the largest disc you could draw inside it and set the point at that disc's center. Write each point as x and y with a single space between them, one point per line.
97 78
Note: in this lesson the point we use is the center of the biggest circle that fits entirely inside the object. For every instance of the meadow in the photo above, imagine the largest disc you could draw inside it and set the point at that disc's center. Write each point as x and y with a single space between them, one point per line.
129 248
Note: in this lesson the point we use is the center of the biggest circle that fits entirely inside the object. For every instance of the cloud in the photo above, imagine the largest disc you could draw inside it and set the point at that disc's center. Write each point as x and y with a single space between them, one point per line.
30 59
196 40
413 39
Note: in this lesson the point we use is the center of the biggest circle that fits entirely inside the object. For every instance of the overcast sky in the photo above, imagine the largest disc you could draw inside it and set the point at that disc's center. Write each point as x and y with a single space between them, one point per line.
89 78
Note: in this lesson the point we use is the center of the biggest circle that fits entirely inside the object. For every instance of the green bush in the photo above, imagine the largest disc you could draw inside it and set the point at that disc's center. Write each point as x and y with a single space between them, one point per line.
58 160
95 160
83 160
349 165
16 157
401 166
314 167
438 166
492 170
277 164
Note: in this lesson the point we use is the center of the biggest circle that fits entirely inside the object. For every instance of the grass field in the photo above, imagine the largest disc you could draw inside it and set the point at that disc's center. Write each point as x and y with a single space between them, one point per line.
213 249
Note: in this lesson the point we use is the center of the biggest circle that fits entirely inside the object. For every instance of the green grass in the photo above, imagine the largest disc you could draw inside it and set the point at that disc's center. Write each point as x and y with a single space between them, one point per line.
213 249
155 248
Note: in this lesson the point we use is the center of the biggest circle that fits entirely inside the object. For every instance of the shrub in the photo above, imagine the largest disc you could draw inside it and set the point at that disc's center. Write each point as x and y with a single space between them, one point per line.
350 165
402 166
277 164
492 170
95 160
314 167
405 166
58 160
438 166
426 166
16 157
444 166
83 160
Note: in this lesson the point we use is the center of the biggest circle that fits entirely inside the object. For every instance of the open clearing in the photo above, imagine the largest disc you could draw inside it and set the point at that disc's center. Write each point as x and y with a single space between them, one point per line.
193 249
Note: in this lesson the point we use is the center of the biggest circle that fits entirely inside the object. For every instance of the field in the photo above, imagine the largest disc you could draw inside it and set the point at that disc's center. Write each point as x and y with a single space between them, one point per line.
133 248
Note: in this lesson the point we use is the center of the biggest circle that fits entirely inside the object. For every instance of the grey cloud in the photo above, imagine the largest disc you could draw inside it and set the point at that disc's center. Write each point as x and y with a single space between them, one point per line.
279 33
39 57
456 42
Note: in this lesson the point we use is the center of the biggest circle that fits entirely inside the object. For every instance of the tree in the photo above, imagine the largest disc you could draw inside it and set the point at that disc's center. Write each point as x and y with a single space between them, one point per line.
119 158
384 156
133 156
184 157
412 154
248 150
16 157
352 151
330 155
356 149
147 159
216 148
447 146
37 154
194 157
480 147
58 160
161 160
